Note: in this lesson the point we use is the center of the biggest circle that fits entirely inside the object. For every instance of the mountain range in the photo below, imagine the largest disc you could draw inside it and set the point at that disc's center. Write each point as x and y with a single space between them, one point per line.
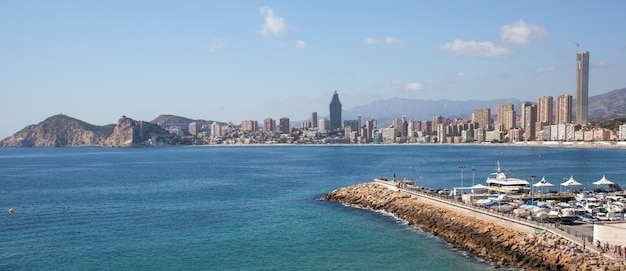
65 131
604 106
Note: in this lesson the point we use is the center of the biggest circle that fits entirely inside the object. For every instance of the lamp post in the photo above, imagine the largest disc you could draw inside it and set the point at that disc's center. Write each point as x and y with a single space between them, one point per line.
532 195
462 168
473 170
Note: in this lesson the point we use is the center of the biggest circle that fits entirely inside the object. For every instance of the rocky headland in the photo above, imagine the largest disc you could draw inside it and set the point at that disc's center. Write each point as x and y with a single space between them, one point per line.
505 246
64 131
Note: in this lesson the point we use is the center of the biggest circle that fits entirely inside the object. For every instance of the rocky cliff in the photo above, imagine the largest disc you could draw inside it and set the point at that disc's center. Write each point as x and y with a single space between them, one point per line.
129 133
504 246
59 131
65 131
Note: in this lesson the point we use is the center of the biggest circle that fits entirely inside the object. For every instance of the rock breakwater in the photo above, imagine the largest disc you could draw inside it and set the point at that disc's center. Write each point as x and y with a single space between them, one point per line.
504 246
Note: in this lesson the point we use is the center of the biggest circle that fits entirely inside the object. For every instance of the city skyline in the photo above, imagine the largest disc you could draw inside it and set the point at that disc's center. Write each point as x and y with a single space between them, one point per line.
234 61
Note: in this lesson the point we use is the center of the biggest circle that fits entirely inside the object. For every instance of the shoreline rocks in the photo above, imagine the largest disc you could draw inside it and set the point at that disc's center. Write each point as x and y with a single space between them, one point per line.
504 246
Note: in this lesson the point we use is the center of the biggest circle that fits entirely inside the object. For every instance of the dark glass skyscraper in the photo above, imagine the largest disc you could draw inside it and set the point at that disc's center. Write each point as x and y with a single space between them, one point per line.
335 112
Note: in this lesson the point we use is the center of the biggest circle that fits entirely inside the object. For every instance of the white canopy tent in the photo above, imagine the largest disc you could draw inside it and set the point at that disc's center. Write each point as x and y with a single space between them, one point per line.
571 182
543 183
605 181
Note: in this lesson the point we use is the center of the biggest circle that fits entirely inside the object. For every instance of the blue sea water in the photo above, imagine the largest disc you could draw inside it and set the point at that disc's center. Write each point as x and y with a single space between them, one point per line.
244 208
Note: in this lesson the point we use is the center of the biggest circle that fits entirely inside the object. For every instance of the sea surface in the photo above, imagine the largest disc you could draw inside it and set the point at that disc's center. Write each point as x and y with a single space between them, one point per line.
245 208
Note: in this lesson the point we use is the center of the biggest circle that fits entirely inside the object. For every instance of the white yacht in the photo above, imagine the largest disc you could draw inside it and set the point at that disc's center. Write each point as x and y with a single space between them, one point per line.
499 180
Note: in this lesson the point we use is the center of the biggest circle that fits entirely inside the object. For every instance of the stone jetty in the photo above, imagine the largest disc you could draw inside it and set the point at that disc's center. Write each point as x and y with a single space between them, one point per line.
505 245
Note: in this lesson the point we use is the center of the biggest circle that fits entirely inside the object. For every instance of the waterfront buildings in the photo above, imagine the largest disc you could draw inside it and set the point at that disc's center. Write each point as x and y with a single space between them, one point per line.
335 112
482 118
283 125
528 120
505 119
582 87
314 119
249 125
194 128
564 109
545 110
622 132
269 125
305 125
324 124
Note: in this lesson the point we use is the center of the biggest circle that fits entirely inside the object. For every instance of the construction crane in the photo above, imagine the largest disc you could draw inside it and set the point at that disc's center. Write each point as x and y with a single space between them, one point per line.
576 43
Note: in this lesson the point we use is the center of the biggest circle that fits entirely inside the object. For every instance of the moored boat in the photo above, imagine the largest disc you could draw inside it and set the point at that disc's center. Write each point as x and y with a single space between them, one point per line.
499 180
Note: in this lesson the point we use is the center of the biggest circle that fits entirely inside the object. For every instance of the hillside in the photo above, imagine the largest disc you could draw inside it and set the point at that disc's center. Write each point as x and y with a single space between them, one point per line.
168 120
65 131
609 105
59 131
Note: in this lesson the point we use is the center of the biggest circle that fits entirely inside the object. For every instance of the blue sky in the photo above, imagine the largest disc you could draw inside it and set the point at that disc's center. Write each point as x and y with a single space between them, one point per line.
239 60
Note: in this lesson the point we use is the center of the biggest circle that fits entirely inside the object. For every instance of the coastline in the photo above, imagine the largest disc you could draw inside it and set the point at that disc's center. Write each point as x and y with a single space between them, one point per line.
505 245
543 144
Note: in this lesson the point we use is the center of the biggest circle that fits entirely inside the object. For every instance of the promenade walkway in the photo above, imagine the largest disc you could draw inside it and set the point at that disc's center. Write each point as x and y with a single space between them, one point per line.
580 234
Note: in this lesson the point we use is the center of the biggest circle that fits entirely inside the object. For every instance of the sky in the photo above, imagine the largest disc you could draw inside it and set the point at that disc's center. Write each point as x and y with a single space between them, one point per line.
249 60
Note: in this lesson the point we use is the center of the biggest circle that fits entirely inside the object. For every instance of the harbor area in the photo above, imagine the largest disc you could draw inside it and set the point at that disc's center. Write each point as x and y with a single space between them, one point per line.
505 240
563 214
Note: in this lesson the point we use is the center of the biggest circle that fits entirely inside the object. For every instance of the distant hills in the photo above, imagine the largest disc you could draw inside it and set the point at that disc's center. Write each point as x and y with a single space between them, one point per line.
609 105
66 131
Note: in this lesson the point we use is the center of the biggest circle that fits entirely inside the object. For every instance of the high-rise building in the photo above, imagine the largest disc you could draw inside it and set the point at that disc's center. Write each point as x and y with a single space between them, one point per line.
529 118
194 128
436 120
482 117
216 129
335 112
249 125
564 109
545 110
283 125
269 125
582 87
506 116
323 125
314 119
370 125
352 123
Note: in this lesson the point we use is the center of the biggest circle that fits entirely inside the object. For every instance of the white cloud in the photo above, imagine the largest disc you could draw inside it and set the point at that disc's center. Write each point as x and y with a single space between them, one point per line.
521 33
216 45
413 87
475 48
392 41
542 70
300 44
387 40
369 41
272 25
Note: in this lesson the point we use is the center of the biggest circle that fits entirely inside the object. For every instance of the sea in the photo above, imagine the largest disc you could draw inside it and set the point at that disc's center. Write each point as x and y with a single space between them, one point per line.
247 207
